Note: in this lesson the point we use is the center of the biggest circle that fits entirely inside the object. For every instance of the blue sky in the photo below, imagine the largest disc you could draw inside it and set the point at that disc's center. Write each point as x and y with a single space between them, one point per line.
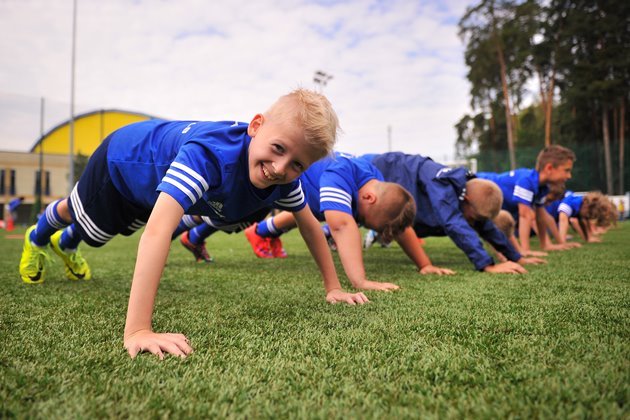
394 63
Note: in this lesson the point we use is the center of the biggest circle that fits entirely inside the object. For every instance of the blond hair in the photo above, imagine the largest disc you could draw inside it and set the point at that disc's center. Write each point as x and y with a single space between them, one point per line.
554 154
505 223
485 197
597 207
313 113
397 205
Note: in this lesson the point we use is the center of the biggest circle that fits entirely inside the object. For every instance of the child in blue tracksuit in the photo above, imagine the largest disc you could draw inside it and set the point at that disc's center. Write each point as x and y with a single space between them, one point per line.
452 202
154 172
525 191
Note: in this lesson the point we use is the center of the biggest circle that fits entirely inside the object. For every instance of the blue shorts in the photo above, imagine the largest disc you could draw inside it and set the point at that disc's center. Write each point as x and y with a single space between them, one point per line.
98 210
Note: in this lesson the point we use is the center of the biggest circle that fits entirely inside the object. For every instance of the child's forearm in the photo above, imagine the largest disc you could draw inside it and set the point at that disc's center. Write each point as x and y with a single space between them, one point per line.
409 243
524 230
348 240
316 242
563 227
152 254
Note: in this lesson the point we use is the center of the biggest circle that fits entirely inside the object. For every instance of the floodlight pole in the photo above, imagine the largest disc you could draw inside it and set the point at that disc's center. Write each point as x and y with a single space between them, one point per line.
72 69
320 79
41 153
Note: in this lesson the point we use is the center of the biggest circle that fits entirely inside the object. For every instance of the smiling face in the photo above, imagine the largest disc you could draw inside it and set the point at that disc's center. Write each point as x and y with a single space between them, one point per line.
559 174
278 153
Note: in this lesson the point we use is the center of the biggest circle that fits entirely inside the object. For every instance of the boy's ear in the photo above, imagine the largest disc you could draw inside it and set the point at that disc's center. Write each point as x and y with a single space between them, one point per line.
255 124
548 167
369 197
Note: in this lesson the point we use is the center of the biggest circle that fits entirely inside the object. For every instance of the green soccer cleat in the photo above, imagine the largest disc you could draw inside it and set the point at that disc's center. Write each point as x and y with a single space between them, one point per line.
76 266
34 260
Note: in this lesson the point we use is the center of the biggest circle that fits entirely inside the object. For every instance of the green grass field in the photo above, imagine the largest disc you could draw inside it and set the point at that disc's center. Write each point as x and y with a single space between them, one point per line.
554 343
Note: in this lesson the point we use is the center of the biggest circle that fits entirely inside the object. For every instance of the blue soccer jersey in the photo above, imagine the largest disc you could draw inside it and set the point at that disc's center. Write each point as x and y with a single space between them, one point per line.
334 183
518 186
202 165
571 205
439 192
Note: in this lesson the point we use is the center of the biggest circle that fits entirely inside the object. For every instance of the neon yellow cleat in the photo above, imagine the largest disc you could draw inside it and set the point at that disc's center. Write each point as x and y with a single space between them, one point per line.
76 266
34 260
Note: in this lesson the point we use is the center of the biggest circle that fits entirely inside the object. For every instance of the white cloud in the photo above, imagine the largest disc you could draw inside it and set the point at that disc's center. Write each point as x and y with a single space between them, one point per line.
397 63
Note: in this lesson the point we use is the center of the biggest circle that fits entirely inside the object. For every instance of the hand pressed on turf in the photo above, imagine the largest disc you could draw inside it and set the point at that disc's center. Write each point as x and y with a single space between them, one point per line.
508 267
157 343
338 295
376 285
432 269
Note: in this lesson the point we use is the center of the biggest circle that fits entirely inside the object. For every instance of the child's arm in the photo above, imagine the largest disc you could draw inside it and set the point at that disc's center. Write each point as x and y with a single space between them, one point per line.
152 253
313 235
575 223
552 227
409 243
525 218
347 236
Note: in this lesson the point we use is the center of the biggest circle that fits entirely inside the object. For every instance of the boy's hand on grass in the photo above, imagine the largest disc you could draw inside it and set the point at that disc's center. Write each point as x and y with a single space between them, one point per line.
157 343
376 285
431 269
338 295
558 247
531 253
531 260
594 240
509 267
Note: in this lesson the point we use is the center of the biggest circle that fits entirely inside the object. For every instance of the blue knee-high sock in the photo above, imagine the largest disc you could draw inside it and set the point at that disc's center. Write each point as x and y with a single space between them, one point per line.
199 233
49 223
70 238
267 229
187 223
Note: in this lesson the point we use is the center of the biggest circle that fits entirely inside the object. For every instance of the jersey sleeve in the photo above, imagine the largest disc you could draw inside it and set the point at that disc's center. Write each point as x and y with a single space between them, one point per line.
335 193
292 197
565 208
524 191
446 205
193 172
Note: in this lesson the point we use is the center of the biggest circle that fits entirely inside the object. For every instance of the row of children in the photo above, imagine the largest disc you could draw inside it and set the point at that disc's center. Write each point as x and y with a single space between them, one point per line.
346 192
231 174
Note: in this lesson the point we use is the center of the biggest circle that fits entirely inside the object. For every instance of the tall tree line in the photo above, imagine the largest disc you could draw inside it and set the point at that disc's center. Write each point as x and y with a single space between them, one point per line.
576 53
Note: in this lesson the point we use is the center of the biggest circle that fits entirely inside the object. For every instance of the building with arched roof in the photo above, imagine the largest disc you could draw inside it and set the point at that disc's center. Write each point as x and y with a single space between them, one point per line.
20 174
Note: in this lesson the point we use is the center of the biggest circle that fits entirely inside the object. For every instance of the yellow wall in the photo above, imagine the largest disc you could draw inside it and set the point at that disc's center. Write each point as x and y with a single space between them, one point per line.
89 131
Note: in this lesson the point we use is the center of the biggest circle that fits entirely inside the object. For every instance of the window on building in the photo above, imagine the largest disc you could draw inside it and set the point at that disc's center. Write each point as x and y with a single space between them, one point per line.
47 183
12 183
38 183
2 188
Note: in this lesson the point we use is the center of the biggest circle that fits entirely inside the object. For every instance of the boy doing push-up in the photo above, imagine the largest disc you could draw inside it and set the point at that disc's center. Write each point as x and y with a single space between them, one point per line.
156 171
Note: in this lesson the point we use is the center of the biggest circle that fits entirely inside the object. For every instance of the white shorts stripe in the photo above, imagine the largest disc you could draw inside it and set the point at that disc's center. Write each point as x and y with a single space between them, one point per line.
84 220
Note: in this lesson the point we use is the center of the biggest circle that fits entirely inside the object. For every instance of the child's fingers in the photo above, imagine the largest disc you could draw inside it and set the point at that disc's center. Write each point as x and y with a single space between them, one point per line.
133 351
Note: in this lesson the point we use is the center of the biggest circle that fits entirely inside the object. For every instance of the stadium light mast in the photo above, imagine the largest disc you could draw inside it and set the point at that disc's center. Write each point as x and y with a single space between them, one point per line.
321 79
72 70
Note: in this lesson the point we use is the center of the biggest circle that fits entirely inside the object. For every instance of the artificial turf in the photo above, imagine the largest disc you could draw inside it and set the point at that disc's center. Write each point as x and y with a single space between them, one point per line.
552 343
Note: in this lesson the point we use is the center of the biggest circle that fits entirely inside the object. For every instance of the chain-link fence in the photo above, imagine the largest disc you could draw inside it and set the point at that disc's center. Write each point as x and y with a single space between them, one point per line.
589 171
